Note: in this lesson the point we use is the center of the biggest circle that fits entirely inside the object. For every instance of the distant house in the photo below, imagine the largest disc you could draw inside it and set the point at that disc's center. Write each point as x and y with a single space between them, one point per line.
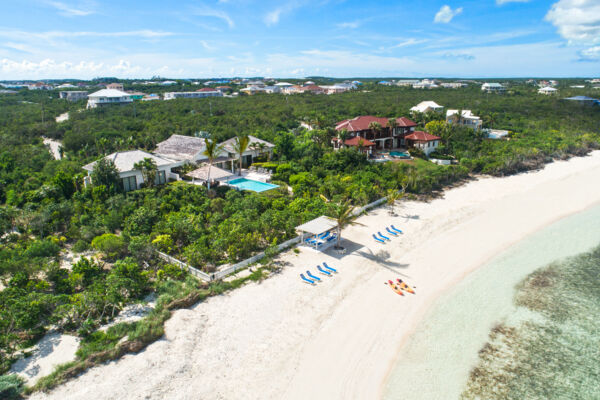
168 83
338 88
73 95
198 94
584 100
427 106
223 89
424 141
107 97
66 86
115 86
493 88
131 178
453 85
314 89
385 83
547 90
39 86
407 82
496 133
425 84
386 137
136 95
284 85
150 97
466 118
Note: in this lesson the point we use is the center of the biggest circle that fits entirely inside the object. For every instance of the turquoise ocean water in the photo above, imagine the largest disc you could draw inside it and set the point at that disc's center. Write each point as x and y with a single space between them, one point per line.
436 361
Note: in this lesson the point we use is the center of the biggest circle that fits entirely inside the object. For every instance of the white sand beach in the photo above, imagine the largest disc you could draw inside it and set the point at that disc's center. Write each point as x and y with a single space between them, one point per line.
284 339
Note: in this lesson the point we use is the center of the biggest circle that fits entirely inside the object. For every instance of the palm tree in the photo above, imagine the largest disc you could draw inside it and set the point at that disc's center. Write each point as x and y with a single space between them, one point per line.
212 151
342 213
393 196
240 146
392 124
343 136
375 127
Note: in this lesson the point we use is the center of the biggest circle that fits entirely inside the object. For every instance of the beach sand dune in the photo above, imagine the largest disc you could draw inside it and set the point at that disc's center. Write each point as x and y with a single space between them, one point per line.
284 339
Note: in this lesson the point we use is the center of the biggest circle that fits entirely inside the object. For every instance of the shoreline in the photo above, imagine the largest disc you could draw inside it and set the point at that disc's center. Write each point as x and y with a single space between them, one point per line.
284 339
426 307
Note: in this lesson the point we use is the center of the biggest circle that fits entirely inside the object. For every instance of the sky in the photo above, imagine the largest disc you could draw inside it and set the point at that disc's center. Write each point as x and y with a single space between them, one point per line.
83 39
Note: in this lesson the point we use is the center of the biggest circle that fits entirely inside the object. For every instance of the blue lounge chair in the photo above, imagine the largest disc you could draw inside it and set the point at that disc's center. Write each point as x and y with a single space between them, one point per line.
391 231
305 279
396 229
379 240
323 235
323 271
316 278
329 268
330 238
383 237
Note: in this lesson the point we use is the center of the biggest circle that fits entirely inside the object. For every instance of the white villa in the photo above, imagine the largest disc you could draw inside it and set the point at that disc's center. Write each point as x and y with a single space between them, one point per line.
547 90
427 106
256 148
427 142
73 95
425 84
108 96
131 178
199 94
465 119
493 88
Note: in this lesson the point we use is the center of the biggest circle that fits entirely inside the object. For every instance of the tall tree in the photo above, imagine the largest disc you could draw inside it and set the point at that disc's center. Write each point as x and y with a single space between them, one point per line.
148 169
342 213
240 146
212 151
105 173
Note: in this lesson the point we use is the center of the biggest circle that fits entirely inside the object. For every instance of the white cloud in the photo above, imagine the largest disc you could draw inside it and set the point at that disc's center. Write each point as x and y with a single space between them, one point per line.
410 42
578 21
69 11
500 2
272 17
446 14
591 54
211 12
349 25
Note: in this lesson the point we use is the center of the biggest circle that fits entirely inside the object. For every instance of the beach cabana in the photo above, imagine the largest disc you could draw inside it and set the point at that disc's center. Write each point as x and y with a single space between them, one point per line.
216 174
318 233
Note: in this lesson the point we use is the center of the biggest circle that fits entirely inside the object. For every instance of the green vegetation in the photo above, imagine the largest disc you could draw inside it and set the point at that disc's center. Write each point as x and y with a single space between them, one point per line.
45 210
553 356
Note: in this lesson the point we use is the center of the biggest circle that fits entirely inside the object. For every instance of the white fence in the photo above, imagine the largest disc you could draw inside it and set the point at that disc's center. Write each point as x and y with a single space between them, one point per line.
242 264
194 271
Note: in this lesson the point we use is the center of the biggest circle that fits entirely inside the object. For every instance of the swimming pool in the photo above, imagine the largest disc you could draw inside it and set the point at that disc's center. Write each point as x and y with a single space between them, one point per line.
400 154
250 184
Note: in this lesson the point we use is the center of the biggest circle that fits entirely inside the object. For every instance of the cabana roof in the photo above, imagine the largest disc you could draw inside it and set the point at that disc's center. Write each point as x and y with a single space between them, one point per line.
216 173
318 225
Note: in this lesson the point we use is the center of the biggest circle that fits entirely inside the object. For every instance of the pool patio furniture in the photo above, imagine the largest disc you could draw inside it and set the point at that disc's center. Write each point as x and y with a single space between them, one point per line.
305 279
391 231
382 236
329 268
377 239
310 275
323 271
396 229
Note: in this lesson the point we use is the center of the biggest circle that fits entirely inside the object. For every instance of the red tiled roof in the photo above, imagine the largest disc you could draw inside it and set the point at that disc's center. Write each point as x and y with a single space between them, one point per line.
420 136
313 88
405 122
206 89
355 140
362 122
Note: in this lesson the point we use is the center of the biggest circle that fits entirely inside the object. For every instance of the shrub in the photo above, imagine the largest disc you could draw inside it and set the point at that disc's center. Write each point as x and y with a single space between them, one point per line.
42 248
80 246
11 386
111 245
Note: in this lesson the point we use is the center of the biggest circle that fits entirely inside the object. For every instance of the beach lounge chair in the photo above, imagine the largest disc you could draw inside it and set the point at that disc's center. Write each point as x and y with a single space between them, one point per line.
305 279
323 235
383 237
396 229
311 276
390 231
323 271
377 239
329 268
332 237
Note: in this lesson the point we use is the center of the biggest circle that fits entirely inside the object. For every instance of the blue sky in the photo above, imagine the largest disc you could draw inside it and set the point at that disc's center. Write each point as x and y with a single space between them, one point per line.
297 38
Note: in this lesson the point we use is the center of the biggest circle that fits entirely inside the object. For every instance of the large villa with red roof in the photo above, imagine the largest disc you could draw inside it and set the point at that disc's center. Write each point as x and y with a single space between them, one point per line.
378 133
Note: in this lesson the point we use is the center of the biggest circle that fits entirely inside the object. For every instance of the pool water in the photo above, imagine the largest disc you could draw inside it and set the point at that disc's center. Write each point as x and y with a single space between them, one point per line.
250 184
399 154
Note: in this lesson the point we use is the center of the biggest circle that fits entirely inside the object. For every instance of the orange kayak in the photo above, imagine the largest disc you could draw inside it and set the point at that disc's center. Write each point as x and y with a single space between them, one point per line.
404 286
395 288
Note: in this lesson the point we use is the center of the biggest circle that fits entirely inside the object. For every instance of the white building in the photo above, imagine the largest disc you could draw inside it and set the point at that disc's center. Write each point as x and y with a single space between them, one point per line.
493 88
407 82
108 96
465 119
425 84
73 95
338 88
199 94
132 178
115 86
427 106
547 90
453 85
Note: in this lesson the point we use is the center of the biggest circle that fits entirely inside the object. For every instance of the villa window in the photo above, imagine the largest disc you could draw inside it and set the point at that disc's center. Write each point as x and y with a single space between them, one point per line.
161 178
129 183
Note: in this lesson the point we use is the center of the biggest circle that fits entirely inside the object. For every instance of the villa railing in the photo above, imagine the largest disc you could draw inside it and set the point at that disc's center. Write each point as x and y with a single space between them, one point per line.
194 271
